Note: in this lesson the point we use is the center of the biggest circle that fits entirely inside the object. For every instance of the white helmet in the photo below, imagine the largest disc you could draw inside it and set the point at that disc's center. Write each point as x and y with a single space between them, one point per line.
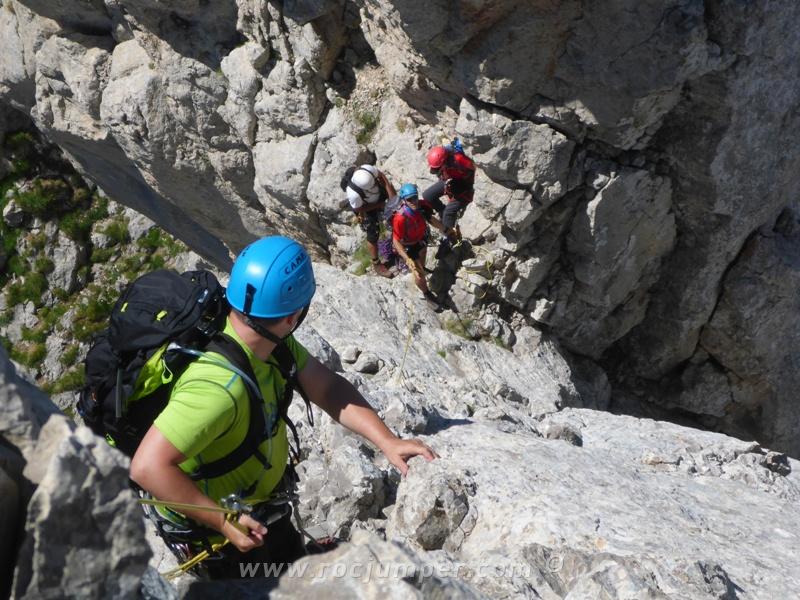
366 181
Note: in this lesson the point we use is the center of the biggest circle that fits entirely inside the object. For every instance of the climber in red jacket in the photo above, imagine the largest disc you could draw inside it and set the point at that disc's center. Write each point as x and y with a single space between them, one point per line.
456 172
409 224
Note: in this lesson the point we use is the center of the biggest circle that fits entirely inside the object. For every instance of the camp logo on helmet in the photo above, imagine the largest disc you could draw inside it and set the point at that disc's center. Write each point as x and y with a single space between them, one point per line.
296 262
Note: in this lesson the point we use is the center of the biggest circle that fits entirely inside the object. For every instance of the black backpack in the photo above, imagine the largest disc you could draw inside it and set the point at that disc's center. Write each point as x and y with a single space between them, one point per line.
392 206
179 317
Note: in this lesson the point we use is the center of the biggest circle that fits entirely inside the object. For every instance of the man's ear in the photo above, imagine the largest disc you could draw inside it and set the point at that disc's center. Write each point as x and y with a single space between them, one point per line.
291 320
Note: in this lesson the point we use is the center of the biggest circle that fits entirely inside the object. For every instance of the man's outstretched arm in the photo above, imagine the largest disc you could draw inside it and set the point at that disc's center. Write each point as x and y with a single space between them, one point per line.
337 397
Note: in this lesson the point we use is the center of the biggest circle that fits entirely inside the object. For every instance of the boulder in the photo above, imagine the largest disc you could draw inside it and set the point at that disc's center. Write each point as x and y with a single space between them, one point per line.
72 72
291 100
24 410
83 522
340 489
616 244
369 568
518 153
495 505
720 194
23 33
84 15
13 215
753 336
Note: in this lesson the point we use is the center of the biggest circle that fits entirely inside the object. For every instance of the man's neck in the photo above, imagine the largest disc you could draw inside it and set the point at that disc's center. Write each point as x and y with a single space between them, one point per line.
260 346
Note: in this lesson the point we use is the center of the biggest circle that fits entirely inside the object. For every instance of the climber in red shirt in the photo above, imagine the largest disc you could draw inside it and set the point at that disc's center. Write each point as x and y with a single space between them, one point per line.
456 172
409 224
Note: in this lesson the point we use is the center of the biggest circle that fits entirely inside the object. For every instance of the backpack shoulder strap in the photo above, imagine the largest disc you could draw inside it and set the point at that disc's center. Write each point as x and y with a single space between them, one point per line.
287 366
357 189
256 430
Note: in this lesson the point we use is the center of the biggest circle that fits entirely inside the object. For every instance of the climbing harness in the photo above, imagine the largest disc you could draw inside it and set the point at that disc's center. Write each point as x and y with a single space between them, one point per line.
181 540
233 508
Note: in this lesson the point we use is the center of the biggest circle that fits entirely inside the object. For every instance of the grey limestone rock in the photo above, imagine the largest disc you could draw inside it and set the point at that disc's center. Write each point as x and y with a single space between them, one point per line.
88 480
367 363
24 409
561 519
13 215
433 511
369 568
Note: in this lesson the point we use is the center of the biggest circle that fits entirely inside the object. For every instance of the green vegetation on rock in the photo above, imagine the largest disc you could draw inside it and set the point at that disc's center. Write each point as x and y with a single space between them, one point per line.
67 207
462 327
368 123
28 354
77 225
117 231
72 380
362 258
43 197
70 355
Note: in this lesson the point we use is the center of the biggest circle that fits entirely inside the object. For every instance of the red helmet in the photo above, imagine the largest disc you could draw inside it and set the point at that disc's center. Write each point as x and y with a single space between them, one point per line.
436 157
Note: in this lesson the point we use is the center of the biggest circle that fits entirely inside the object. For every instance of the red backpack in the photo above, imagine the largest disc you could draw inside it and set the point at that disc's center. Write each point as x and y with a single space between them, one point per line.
409 226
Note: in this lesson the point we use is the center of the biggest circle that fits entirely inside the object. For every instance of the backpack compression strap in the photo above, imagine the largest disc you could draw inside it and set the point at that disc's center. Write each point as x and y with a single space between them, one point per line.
257 428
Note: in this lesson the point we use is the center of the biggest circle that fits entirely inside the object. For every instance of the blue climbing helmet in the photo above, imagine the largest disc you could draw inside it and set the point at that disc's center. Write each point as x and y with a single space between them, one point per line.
271 278
408 191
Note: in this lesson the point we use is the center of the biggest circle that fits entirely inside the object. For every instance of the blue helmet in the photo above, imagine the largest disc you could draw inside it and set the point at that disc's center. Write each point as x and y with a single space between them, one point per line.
408 190
271 278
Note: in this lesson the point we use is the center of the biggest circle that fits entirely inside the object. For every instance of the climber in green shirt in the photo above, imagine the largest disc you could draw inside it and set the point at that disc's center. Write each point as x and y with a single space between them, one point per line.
208 413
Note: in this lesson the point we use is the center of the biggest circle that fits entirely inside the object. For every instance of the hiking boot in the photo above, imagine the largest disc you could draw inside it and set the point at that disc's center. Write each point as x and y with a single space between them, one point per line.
432 301
382 270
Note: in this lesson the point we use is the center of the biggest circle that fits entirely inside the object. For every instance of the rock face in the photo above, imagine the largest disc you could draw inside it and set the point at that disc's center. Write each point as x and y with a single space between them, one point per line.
626 151
586 521
369 568
527 499
84 479
421 379
532 494
81 522
752 336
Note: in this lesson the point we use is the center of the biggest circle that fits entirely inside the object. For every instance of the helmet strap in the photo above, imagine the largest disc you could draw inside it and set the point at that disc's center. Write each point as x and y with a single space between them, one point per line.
300 319
261 330
266 333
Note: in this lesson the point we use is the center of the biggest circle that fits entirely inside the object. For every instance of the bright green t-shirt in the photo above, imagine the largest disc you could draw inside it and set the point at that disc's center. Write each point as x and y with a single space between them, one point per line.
207 417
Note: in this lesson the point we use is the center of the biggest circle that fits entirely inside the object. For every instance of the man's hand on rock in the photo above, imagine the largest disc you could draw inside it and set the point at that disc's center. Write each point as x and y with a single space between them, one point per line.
400 451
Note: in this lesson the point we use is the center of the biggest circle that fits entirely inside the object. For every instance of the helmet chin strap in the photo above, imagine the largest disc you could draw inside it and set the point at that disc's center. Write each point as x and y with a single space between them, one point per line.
261 330
266 333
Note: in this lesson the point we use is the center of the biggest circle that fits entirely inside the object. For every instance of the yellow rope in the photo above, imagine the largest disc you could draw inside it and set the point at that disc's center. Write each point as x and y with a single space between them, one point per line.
184 506
193 562
408 342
